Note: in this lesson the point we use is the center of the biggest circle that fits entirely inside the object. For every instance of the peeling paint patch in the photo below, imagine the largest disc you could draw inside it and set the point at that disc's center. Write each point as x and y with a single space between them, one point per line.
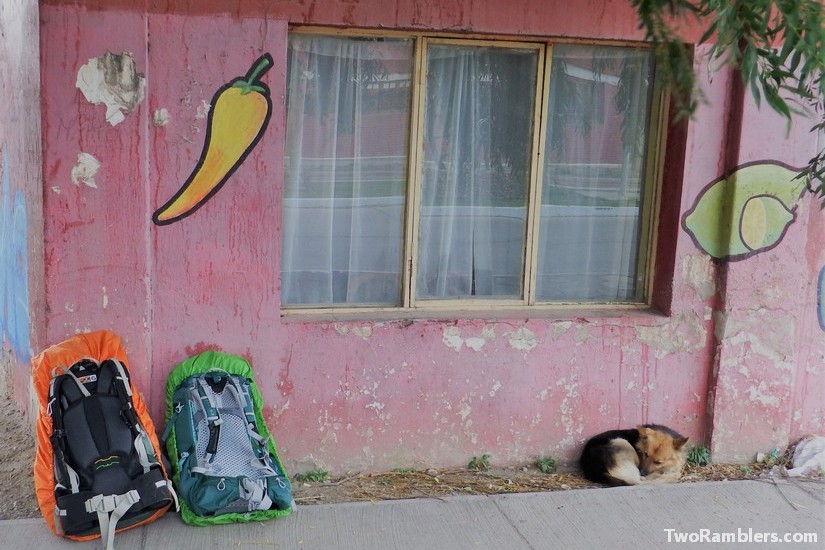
582 334
113 81
85 170
105 298
697 271
362 332
522 339
451 336
160 117
767 334
465 410
475 344
757 394
203 109
560 328
495 388
683 333
341 329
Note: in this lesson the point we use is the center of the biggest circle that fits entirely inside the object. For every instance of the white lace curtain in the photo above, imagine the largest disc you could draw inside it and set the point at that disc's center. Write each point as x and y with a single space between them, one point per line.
594 174
347 143
345 180
477 138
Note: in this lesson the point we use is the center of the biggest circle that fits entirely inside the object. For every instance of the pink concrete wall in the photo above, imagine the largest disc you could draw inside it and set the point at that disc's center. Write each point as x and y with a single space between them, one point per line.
21 221
376 395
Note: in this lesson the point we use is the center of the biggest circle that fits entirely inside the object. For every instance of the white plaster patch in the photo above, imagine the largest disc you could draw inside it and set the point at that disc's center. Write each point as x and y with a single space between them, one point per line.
341 329
160 117
465 411
475 344
375 405
85 170
560 328
105 298
522 339
451 336
757 395
697 271
683 333
364 332
769 335
113 81
203 110
56 190
495 388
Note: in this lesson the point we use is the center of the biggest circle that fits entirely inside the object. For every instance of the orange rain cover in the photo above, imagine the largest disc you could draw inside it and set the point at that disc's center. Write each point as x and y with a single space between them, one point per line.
100 345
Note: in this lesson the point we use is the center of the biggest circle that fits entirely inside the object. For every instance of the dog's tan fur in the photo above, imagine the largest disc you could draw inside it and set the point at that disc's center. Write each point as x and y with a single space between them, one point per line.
662 456
650 453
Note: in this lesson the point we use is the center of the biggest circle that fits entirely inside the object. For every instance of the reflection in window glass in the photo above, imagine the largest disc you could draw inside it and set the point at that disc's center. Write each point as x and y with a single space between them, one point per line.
594 172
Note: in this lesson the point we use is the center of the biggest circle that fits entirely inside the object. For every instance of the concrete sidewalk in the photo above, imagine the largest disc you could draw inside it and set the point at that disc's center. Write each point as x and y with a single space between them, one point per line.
628 517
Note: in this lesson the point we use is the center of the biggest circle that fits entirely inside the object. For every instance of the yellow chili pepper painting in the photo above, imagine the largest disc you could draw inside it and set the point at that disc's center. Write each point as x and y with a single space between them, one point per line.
240 112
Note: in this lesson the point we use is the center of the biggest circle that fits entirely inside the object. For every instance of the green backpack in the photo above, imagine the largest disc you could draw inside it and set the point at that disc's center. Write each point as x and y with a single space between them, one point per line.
224 462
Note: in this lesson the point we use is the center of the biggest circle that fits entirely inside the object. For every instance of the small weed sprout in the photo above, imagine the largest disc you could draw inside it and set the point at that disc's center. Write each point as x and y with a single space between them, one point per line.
772 459
699 455
317 476
480 463
546 464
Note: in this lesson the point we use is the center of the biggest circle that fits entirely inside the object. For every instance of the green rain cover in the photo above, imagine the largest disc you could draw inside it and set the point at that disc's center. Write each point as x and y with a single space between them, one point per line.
232 364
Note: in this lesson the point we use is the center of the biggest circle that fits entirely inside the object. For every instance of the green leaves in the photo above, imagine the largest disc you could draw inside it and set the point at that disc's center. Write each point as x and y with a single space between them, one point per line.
777 45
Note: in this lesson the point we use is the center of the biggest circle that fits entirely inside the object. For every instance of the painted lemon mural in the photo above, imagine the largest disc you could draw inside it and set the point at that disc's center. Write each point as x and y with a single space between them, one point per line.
746 212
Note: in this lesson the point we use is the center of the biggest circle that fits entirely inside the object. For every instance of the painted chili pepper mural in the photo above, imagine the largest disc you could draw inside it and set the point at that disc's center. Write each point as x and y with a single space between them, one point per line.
240 113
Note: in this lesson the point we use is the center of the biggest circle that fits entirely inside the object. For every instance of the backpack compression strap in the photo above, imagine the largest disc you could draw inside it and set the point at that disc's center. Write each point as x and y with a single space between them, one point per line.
148 492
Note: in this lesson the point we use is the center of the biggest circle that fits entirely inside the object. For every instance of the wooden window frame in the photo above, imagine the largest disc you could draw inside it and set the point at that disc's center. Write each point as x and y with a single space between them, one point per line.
467 308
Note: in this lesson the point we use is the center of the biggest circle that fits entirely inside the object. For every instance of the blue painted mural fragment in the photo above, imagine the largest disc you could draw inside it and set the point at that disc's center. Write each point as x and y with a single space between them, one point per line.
14 267
820 299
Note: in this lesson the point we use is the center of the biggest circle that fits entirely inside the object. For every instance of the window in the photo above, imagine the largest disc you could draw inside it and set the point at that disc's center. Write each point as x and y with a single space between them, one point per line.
426 172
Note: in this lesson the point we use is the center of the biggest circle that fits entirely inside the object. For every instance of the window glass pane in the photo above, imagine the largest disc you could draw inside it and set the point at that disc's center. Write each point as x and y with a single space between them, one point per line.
348 111
594 173
476 168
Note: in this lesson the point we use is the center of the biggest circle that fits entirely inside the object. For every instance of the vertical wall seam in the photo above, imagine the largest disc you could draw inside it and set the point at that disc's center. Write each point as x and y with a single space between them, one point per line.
150 233
735 106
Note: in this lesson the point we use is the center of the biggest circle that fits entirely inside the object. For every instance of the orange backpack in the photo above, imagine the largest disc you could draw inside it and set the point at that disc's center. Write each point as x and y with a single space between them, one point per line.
98 467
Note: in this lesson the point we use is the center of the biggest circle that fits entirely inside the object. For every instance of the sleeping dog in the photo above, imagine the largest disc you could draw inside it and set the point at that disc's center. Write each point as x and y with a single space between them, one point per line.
647 454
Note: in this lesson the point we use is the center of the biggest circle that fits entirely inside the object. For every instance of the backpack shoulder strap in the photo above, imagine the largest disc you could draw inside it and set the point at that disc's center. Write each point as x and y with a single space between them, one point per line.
213 416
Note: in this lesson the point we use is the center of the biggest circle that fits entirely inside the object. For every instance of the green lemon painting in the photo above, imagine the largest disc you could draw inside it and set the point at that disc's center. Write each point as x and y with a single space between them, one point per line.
745 212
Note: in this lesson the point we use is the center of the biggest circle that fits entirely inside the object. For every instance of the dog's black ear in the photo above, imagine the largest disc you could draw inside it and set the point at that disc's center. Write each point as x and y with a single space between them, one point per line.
678 443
